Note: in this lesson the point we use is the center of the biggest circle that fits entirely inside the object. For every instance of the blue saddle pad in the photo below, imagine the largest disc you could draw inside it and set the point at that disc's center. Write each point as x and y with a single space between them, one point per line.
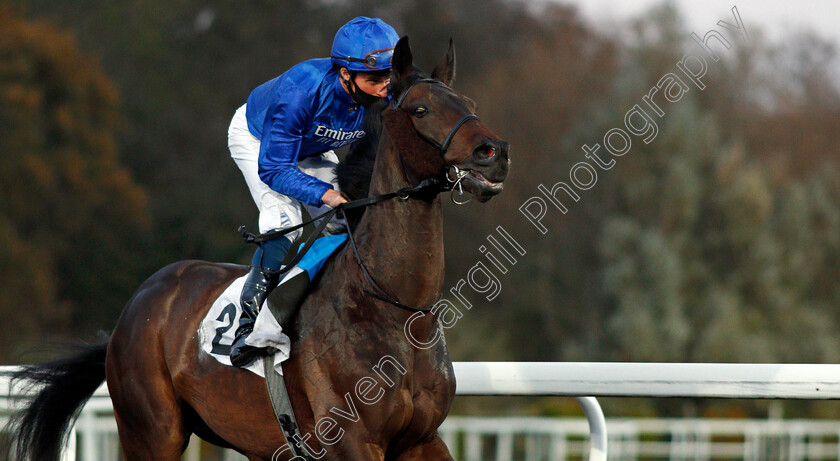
318 254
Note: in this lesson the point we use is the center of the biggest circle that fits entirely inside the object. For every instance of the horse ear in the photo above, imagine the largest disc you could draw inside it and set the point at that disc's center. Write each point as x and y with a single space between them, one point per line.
445 71
402 60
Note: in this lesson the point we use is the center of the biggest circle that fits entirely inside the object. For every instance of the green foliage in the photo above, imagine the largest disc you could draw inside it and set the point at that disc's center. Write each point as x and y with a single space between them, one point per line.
715 257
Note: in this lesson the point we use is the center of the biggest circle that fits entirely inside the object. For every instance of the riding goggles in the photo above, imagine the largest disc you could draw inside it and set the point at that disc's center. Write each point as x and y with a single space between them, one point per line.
375 60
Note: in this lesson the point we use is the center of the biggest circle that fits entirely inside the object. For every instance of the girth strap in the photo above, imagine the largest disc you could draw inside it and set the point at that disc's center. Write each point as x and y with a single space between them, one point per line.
282 405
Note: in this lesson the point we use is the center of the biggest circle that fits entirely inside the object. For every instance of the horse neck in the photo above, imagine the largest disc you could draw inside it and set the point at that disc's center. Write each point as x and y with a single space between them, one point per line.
401 241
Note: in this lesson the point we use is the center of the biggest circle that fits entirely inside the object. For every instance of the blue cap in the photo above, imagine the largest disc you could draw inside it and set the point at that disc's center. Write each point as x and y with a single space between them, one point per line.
364 44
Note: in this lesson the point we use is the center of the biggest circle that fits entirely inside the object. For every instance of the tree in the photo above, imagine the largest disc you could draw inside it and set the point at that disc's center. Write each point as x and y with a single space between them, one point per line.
69 212
713 256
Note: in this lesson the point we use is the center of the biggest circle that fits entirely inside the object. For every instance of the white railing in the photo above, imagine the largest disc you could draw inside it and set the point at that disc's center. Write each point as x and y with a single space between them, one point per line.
777 381
561 439
698 380
604 379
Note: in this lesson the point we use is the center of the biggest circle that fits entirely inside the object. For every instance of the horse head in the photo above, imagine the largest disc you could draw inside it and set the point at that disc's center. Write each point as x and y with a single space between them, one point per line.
468 153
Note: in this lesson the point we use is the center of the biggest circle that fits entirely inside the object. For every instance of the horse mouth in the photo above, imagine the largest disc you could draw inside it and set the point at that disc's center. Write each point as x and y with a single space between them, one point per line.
476 175
479 186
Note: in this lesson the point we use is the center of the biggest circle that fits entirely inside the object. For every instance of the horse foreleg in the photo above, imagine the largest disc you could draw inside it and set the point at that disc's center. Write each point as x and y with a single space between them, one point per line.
433 449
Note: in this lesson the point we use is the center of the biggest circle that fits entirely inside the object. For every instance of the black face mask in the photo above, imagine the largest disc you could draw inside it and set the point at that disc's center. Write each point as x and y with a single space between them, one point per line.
360 97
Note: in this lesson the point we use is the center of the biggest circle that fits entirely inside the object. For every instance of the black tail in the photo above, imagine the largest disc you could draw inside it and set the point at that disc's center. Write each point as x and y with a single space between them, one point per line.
39 431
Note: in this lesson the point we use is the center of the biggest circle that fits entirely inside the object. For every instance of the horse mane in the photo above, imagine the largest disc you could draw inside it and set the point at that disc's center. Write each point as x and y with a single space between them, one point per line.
354 171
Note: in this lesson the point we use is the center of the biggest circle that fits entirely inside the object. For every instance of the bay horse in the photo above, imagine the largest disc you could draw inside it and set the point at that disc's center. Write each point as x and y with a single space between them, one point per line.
360 390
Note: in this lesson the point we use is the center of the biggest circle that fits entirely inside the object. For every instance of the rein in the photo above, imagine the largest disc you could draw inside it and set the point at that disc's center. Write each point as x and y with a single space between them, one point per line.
405 193
402 194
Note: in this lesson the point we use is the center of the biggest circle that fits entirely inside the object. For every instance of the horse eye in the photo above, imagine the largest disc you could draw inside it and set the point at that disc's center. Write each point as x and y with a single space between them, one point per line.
420 111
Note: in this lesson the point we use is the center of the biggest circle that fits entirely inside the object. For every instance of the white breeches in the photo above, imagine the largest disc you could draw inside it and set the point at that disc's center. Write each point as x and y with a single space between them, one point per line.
278 211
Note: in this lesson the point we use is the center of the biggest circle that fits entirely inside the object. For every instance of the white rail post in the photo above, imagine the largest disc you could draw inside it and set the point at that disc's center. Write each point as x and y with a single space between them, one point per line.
90 436
597 428
504 446
193 452
69 453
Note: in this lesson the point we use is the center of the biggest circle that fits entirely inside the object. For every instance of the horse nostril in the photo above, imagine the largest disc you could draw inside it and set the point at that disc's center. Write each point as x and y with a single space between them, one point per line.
485 152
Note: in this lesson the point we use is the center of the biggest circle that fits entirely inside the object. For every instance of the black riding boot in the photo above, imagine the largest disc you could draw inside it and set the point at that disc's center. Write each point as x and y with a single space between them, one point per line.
257 286
263 277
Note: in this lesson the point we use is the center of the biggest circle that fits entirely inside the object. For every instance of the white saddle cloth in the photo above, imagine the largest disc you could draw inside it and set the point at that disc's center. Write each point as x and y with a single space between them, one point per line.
217 330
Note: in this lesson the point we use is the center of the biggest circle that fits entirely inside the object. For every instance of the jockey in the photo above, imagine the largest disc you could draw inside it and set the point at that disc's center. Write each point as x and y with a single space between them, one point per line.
283 139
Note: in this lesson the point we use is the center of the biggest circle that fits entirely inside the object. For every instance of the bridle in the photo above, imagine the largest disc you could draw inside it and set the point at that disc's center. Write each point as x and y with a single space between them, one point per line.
402 194
442 147
459 174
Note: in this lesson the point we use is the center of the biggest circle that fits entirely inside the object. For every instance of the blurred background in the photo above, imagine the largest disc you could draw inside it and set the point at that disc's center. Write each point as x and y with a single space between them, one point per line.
719 241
